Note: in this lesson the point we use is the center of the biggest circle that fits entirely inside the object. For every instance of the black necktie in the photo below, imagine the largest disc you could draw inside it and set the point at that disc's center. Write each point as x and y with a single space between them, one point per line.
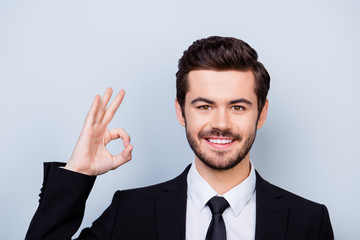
217 229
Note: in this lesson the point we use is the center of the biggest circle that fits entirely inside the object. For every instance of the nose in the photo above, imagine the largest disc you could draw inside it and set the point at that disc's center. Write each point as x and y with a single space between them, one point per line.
221 120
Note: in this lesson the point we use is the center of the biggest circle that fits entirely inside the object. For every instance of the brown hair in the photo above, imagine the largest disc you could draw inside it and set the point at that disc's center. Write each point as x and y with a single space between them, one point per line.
221 53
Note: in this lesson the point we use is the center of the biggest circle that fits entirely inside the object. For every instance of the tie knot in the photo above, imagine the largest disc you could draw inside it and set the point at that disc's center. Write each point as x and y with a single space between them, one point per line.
217 205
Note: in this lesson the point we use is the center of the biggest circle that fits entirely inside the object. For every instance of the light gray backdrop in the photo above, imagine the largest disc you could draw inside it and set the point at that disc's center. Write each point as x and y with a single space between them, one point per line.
55 56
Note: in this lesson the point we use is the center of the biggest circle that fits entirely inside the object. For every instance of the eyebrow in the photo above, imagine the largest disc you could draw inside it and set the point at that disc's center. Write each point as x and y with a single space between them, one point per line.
201 99
240 100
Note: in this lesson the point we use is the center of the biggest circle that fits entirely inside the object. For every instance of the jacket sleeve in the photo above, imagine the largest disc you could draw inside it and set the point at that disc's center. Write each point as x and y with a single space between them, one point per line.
61 205
326 231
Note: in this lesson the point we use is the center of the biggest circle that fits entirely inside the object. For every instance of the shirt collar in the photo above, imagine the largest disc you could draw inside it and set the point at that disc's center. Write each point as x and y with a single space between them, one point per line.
200 192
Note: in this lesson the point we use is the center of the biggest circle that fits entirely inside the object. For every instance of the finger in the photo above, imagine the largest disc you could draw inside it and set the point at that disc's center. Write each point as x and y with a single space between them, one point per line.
92 112
123 157
104 102
119 133
114 106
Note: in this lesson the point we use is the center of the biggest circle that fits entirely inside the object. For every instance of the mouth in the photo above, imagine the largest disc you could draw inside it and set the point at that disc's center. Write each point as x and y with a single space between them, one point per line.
220 143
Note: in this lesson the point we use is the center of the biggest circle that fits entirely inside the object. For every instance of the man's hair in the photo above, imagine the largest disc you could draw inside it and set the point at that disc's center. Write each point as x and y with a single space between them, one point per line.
221 53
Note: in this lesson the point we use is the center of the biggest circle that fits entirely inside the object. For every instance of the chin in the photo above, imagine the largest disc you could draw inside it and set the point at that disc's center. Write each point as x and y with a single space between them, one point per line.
220 164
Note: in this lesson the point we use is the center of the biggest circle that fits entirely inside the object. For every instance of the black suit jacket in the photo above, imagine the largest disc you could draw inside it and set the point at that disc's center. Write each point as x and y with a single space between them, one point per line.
158 212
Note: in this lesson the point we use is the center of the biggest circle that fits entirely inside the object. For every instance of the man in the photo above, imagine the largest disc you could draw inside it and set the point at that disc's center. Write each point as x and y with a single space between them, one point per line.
221 101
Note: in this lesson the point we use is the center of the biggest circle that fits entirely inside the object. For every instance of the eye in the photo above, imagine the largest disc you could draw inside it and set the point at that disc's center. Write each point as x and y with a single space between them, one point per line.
237 108
205 107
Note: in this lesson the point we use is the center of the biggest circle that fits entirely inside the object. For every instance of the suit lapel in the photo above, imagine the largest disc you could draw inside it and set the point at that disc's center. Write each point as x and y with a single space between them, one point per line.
271 217
171 208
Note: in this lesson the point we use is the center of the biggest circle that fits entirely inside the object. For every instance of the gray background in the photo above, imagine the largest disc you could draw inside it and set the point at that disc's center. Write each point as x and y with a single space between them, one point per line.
55 56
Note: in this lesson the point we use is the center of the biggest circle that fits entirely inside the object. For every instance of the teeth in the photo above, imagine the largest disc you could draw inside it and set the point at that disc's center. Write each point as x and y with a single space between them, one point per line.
220 141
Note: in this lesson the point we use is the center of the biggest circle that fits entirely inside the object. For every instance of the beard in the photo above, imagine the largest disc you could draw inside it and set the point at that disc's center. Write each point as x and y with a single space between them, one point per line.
217 159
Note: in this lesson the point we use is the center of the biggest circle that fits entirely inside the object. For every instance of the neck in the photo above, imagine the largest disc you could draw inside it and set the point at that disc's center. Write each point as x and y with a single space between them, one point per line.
224 180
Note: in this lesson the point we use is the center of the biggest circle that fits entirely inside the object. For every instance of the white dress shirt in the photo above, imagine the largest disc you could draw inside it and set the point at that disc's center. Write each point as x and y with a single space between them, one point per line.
239 218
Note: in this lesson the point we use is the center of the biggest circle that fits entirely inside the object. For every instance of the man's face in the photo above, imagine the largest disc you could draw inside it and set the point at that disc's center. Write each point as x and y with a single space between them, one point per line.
221 116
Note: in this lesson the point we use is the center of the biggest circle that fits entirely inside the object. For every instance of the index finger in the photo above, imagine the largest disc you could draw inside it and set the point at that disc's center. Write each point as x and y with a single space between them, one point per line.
111 110
91 114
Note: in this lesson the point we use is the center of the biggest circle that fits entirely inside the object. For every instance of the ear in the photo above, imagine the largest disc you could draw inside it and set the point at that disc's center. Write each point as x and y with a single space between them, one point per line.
179 114
263 115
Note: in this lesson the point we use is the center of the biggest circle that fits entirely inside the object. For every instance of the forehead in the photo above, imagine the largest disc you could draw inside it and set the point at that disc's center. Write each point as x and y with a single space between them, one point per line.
221 85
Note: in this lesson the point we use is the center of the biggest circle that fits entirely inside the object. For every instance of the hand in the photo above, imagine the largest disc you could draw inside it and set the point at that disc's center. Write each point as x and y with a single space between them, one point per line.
90 155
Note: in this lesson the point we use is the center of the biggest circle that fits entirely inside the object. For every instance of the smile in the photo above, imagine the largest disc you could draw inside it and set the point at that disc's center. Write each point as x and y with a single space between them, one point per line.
220 141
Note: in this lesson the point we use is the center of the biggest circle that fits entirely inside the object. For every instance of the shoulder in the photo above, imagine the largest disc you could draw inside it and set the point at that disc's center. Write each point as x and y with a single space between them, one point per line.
302 217
177 185
141 205
288 198
298 208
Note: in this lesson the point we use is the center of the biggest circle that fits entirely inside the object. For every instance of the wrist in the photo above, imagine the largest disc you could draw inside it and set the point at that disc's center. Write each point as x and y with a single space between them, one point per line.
73 168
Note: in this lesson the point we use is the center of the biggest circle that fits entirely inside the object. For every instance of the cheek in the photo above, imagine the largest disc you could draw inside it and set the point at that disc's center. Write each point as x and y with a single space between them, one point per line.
194 127
245 126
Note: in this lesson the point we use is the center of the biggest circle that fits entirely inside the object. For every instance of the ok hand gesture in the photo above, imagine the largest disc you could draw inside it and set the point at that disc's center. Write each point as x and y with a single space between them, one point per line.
90 155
